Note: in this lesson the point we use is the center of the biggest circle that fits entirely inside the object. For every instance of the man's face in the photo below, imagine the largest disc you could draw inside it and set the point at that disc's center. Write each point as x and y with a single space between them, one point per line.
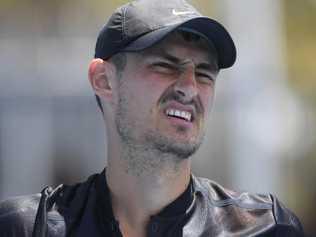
165 94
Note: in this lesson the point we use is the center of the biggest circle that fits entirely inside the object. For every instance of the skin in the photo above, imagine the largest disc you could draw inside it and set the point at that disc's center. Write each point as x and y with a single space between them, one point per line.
148 151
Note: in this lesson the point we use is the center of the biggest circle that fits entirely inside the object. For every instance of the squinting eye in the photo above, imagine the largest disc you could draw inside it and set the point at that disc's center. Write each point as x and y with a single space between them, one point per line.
163 65
164 68
205 77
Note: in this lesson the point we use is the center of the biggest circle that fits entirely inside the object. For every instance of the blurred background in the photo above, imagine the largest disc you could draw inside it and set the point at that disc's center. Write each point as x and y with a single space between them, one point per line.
261 135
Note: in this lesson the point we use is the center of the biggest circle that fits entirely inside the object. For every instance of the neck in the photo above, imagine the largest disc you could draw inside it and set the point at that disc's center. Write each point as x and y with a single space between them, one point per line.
142 182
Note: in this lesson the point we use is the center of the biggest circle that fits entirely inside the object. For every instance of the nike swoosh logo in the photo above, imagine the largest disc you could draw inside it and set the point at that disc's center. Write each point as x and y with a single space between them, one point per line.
176 13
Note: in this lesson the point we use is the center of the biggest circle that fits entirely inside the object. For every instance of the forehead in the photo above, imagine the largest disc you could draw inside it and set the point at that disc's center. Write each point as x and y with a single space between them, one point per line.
184 44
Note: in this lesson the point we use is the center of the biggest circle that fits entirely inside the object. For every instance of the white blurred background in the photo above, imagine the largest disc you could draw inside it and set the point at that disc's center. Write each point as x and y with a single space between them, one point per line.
261 136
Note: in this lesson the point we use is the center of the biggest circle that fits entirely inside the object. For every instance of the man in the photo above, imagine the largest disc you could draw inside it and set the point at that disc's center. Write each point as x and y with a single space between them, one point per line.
154 76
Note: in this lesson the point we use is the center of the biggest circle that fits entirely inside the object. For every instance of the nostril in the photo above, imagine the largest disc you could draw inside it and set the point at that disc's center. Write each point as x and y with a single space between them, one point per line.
185 93
180 92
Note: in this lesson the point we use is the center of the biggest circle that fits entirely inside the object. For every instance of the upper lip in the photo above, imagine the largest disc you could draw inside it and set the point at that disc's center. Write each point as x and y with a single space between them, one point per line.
178 106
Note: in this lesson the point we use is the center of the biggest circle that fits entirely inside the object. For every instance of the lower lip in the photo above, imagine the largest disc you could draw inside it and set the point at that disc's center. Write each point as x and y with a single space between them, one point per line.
180 122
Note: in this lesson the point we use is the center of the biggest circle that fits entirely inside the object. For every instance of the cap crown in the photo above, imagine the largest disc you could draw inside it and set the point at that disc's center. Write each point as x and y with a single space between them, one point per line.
143 16
142 23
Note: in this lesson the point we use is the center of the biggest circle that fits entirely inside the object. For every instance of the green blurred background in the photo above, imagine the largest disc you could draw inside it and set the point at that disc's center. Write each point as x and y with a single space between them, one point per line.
261 136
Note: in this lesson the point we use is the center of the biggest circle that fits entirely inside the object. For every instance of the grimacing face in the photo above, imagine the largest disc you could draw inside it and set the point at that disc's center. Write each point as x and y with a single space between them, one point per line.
165 94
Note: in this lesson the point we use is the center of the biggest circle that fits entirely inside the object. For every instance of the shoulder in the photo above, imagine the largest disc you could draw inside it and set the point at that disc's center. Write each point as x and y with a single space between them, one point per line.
17 215
249 211
219 196
286 220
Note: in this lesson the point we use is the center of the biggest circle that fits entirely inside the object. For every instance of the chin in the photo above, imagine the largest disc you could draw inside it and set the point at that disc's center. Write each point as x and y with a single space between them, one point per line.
182 147
182 151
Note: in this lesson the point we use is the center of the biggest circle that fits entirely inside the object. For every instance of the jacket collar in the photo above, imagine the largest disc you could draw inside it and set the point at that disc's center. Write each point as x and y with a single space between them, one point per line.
177 212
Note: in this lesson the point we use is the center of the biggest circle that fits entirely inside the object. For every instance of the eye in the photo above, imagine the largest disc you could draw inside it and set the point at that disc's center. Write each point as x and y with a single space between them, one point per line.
205 78
164 67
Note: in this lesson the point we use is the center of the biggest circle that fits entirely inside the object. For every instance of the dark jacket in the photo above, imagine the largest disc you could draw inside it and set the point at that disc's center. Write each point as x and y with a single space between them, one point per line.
214 212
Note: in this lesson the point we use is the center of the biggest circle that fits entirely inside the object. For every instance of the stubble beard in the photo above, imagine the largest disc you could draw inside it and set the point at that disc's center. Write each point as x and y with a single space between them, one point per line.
151 150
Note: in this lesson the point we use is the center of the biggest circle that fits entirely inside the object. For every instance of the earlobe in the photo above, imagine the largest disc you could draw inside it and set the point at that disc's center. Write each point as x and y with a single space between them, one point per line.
100 72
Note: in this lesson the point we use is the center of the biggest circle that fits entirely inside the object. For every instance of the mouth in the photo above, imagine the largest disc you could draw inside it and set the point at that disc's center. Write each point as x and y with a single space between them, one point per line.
180 114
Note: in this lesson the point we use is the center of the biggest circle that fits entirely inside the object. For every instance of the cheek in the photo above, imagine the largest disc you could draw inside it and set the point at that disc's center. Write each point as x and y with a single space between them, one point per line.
207 98
151 88
142 96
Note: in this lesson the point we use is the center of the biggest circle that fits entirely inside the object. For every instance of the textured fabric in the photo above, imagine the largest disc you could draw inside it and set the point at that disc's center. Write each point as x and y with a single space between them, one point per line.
213 211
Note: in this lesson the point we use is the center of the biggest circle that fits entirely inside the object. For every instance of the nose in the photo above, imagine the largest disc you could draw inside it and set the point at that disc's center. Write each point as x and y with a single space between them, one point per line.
186 86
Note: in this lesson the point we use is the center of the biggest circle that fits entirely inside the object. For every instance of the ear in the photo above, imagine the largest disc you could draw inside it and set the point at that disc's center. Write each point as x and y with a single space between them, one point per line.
100 76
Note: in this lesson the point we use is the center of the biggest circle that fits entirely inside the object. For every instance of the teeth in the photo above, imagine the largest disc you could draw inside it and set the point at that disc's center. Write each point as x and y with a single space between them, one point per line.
181 114
184 114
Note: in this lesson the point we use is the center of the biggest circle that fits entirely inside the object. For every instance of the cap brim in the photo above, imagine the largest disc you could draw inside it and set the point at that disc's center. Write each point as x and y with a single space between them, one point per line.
209 28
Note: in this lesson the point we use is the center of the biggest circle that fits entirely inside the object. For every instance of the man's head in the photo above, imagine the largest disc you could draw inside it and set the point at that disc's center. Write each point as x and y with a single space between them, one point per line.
158 73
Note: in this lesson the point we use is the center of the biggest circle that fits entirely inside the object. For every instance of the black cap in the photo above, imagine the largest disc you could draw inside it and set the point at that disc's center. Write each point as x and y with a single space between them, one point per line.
142 23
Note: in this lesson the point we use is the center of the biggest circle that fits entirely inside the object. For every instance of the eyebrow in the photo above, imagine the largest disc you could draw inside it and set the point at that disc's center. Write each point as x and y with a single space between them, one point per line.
173 59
